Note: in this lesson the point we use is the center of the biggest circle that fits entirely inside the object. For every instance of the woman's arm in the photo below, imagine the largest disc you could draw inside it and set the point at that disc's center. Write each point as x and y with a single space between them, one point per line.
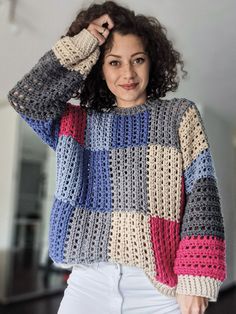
200 260
40 96
43 92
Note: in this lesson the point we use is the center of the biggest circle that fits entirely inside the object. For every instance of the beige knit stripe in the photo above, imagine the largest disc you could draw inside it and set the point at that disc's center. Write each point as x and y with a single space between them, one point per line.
130 240
164 167
193 139
78 53
199 286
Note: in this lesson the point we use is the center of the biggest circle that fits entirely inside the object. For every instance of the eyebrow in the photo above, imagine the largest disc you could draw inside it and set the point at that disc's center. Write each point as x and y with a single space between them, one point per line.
134 54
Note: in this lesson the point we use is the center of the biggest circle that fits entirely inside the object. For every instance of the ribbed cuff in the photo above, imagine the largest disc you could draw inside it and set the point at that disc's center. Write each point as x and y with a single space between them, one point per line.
70 51
199 286
85 41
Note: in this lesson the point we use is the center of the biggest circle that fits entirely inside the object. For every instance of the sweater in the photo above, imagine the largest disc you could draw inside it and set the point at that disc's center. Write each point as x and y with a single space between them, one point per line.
135 185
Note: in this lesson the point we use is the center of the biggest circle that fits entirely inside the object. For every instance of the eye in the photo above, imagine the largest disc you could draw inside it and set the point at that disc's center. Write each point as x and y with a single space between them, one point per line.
139 60
114 63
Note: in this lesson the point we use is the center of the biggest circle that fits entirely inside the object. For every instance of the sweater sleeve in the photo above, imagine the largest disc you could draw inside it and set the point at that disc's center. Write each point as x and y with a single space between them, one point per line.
200 259
40 97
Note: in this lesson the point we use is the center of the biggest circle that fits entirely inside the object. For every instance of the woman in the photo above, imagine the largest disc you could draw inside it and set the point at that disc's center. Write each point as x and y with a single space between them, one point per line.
136 210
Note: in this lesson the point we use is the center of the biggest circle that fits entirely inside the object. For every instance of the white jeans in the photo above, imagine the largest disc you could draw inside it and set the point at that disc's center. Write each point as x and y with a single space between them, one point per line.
113 288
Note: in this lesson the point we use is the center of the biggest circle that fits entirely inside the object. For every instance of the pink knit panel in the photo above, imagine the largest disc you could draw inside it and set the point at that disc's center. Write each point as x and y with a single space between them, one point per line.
73 123
165 238
201 256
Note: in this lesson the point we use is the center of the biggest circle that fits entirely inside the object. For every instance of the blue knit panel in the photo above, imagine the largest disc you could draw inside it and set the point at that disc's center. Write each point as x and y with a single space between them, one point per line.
48 130
59 220
201 167
83 177
98 197
98 131
130 130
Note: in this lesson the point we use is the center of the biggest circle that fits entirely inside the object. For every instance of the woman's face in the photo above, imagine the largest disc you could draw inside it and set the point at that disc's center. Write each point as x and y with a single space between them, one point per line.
126 70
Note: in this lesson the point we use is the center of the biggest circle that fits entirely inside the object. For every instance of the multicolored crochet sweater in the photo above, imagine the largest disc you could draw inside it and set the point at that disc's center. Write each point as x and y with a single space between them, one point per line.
134 185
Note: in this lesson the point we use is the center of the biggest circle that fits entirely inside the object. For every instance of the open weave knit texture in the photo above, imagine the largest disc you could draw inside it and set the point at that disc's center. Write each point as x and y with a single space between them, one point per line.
134 185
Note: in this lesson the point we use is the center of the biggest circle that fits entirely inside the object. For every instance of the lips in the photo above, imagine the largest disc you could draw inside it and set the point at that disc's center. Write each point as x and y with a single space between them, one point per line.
129 86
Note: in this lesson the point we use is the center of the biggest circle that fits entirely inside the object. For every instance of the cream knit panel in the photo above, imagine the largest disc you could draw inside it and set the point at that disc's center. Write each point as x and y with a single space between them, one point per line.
78 53
193 139
164 166
130 240
199 286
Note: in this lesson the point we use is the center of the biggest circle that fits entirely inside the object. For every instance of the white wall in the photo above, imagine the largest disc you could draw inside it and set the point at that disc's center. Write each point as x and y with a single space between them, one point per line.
50 184
9 143
220 134
234 214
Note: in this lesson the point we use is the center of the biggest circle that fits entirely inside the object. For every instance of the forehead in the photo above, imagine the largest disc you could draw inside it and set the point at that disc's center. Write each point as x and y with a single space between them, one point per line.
126 44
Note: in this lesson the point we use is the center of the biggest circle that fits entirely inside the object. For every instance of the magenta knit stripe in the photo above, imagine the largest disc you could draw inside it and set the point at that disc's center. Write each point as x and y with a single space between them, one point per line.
73 123
201 256
165 238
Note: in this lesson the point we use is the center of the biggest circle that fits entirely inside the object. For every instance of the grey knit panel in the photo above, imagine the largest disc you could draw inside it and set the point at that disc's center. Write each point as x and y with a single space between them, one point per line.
128 179
165 118
87 236
43 92
202 212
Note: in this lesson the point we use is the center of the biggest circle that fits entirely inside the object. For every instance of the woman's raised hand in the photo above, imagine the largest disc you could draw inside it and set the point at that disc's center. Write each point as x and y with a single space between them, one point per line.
98 30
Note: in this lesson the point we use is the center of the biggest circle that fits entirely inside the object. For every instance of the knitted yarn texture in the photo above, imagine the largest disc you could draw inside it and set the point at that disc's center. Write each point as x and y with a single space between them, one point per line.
134 185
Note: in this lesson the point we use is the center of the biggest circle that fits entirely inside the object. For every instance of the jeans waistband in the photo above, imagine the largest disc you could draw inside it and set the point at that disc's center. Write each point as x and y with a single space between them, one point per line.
110 265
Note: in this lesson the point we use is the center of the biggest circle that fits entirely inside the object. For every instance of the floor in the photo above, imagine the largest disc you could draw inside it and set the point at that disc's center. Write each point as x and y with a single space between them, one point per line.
23 278
46 305
27 288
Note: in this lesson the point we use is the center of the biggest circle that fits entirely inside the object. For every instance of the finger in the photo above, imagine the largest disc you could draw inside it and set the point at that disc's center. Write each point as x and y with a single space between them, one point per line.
100 29
105 19
109 22
105 33
99 37
93 25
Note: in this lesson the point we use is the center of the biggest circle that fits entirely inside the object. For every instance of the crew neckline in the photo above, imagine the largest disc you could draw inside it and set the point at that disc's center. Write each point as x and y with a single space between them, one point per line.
134 109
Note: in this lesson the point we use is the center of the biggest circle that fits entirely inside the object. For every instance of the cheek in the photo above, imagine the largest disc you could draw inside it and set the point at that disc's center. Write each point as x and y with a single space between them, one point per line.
106 74
110 76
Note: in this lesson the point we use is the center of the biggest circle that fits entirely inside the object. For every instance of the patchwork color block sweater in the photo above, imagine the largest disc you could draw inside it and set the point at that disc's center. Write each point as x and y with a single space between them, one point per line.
134 185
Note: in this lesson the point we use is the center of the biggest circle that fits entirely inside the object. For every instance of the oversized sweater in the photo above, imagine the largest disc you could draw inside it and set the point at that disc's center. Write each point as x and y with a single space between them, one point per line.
135 185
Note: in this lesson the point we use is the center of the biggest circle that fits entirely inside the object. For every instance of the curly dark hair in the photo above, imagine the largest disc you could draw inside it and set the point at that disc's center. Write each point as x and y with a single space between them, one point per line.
164 59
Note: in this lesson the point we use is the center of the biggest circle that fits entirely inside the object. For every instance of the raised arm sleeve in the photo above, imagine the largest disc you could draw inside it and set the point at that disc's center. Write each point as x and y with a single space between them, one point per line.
40 97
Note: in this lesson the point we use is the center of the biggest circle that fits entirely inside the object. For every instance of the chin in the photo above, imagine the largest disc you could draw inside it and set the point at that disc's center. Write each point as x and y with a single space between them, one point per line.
131 99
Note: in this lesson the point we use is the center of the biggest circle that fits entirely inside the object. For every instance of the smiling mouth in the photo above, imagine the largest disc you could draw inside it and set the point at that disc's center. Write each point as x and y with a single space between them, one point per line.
129 86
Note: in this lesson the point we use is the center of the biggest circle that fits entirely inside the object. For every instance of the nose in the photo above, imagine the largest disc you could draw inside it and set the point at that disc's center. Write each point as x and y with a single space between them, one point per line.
128 71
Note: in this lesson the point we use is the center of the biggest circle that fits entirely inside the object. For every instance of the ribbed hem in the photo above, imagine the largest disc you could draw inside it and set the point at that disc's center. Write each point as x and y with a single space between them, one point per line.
63 266
199 286
161 287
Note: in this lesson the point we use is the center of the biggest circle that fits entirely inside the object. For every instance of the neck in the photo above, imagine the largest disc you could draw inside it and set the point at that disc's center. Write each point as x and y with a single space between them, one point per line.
130 104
